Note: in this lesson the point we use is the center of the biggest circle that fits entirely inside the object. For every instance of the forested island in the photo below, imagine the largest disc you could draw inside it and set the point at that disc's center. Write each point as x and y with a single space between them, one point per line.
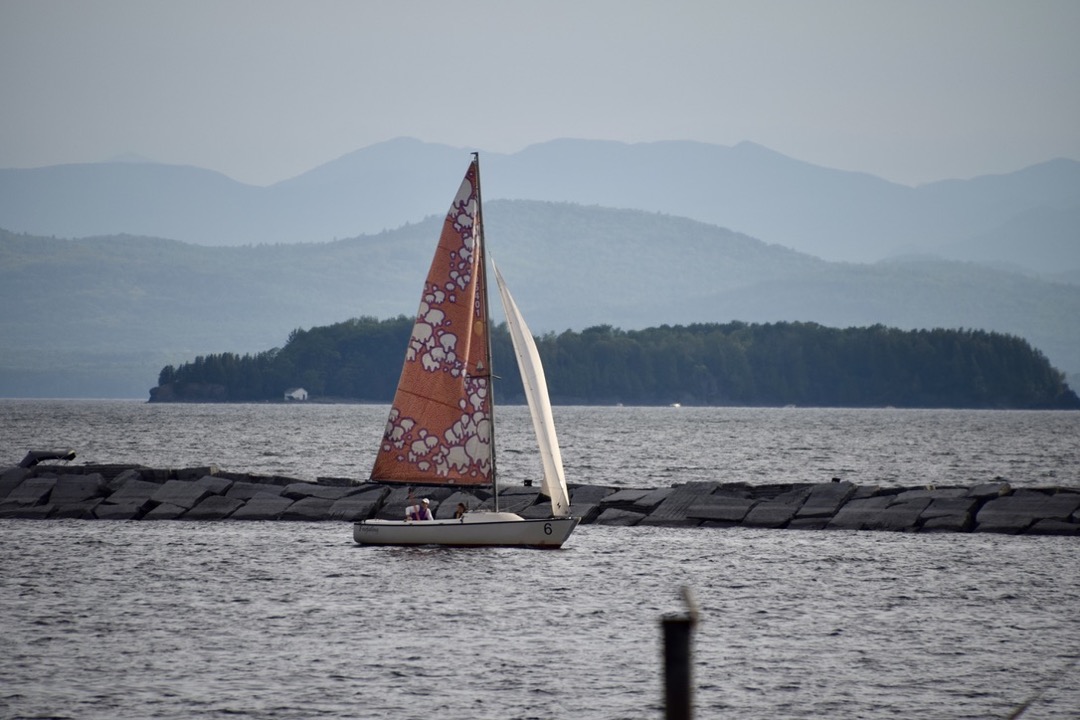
771 364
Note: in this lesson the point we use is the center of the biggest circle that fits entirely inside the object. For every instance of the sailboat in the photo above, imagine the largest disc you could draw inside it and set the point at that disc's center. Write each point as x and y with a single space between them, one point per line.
441 429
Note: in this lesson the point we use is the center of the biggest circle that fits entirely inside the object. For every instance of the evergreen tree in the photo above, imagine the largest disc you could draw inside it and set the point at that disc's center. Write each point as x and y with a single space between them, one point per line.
704 364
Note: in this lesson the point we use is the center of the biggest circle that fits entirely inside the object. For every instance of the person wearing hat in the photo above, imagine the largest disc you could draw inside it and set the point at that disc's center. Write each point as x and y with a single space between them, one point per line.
420 511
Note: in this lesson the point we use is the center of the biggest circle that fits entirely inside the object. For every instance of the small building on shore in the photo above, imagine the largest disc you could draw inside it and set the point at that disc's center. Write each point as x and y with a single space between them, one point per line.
296 394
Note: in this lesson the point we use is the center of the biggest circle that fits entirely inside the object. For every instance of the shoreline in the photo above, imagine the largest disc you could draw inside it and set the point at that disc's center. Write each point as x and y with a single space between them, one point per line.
133 492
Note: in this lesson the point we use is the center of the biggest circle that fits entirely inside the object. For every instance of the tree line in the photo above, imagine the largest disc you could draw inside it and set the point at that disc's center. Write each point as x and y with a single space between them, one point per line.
786 363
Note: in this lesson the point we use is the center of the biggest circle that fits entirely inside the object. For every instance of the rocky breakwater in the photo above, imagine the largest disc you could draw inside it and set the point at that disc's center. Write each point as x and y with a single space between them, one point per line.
124 492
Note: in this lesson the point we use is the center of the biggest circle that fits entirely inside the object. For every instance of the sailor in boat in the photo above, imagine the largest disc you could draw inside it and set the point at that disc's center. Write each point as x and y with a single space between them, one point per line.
420 511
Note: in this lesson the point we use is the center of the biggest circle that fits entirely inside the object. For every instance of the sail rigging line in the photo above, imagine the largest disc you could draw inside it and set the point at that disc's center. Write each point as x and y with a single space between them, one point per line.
481 250
436 401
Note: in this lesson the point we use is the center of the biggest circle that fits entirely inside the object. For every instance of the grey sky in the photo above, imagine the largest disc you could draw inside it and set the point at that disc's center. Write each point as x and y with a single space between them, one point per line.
913 91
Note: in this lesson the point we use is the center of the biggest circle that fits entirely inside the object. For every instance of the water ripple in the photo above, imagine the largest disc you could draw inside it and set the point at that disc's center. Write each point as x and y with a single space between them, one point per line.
265 620
629 447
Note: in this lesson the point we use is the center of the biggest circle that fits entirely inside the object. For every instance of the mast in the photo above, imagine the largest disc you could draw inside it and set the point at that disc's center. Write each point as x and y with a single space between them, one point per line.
487 319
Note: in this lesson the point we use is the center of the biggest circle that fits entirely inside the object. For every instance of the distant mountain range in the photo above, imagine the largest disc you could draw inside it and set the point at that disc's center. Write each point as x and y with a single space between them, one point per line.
101 316
1026 219
588 233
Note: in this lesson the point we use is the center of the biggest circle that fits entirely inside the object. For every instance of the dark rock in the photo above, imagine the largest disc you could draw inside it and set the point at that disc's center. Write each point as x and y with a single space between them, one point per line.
932 494
180 493
809 523
949 514
195 473
308 509
825 499
364 487
234 476
716 524
899 516
988 491
272 480
134 491
157 475
82 510
266 506
216 485
721 509
949 506
355 507
1054 527
585 494
866 491
10 509
214 507
336 482
617 517
856 513
770 514
11 478
651 500
779 511
109 471
301 490
511 490
673 510
121 479
736 490
32 491
165 511
77 488
122 511
775 491
948 523
795 495
128 494
27 512
623 498
242 490
538 511
638 502
257 479
1016 513
518 502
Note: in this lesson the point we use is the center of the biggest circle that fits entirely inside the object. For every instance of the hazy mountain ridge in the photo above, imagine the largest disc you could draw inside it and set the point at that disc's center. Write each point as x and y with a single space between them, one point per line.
102 315
1043 240
829 213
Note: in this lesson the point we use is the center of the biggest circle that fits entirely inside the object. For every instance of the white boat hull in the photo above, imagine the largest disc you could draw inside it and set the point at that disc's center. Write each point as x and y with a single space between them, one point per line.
473 530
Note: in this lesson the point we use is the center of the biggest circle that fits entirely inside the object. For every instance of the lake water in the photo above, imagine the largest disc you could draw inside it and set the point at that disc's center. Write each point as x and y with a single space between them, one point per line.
293 620
624 447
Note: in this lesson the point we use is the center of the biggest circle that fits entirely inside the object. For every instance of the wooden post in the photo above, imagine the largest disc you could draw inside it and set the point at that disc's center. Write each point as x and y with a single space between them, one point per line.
678 687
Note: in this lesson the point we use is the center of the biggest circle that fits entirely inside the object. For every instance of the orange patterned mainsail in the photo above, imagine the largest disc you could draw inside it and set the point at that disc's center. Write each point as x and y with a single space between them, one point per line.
440 429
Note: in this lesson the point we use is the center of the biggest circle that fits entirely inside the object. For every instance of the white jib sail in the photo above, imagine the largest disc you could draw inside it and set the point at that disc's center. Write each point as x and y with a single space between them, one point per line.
536 393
